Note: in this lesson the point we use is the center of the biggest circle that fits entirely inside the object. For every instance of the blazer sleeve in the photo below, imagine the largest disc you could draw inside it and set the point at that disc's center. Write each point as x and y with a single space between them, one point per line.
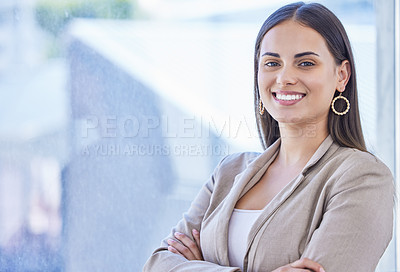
357 224
163 260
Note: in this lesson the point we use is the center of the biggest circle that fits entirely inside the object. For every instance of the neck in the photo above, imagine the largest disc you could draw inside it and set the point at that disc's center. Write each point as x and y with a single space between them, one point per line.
299 142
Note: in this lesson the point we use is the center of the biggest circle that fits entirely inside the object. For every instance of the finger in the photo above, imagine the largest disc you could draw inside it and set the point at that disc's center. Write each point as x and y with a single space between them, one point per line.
189 243
196 236
289 268
182 249
173 250
309 264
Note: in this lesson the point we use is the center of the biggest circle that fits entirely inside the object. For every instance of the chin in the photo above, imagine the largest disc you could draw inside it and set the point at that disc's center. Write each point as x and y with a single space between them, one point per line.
292 119
295 117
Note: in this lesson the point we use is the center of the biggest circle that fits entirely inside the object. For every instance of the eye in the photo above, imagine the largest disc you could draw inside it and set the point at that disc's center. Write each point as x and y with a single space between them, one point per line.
271 63
306 63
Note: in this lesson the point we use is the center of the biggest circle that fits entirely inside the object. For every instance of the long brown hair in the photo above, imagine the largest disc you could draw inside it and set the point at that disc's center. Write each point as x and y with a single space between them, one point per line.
346 129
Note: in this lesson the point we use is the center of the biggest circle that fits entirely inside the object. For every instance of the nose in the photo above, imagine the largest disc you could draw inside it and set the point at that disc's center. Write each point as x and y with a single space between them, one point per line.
286 76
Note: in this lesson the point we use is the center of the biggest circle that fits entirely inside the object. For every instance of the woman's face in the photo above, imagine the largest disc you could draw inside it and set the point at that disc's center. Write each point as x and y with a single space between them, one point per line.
297 75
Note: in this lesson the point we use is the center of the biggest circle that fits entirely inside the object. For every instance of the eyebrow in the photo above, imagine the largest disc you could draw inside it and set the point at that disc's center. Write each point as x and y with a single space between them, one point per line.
298 55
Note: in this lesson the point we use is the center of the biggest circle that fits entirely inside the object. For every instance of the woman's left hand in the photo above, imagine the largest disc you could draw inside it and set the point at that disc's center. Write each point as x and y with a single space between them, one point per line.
186 247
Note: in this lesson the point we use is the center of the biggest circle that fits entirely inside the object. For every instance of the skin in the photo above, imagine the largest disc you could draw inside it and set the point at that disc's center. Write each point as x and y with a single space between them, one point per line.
294 60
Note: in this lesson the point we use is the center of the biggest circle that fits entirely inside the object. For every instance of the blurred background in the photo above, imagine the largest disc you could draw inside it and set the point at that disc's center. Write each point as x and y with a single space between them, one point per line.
113 113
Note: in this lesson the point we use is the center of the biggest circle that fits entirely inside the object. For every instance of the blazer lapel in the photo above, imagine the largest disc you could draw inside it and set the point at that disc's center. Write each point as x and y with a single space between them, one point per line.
243 182
285 193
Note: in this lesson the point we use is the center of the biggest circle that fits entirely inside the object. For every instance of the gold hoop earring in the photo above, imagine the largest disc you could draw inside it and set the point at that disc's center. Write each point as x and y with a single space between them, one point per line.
261 108
333 105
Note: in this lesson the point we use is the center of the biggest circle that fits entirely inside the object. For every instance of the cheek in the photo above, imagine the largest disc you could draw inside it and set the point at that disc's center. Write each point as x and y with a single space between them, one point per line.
264 81
322 83
329 80
323 92
260 81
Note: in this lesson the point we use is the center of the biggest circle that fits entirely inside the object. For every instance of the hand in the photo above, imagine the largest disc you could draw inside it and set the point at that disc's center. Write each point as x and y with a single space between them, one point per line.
302 265
186 247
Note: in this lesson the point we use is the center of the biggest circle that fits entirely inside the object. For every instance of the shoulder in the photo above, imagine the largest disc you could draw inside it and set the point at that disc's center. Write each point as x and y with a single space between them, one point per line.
239 159
346 159
237 162
231 166
352 169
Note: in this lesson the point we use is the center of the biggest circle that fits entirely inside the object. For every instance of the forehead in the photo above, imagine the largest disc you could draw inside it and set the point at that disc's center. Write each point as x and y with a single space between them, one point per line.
292 37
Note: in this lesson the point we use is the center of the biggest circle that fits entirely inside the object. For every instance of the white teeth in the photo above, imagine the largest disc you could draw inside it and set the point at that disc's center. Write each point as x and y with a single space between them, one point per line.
289 97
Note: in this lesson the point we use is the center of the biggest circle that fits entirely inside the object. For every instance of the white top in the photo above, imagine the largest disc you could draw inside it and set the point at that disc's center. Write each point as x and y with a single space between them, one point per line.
239 228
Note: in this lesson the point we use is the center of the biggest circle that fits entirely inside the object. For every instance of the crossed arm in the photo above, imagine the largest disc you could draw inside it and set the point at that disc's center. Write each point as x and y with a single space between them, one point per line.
189 249
352 236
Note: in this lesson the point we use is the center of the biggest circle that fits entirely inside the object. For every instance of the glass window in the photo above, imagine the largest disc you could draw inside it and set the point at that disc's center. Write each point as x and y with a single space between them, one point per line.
114 113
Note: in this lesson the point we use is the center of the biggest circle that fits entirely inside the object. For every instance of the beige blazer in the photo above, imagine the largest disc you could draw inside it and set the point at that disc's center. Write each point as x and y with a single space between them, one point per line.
337 212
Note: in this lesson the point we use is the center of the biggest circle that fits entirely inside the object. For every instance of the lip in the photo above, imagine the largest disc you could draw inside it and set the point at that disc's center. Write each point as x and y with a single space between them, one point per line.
276 94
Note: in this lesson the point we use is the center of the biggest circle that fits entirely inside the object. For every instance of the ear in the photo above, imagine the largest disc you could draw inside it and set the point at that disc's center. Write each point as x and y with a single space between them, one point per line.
343 74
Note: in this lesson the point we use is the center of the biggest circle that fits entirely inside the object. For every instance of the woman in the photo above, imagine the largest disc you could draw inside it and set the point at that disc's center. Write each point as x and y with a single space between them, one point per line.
315 199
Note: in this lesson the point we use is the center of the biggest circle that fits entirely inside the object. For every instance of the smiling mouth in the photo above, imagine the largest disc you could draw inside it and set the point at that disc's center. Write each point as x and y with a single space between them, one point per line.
288 97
